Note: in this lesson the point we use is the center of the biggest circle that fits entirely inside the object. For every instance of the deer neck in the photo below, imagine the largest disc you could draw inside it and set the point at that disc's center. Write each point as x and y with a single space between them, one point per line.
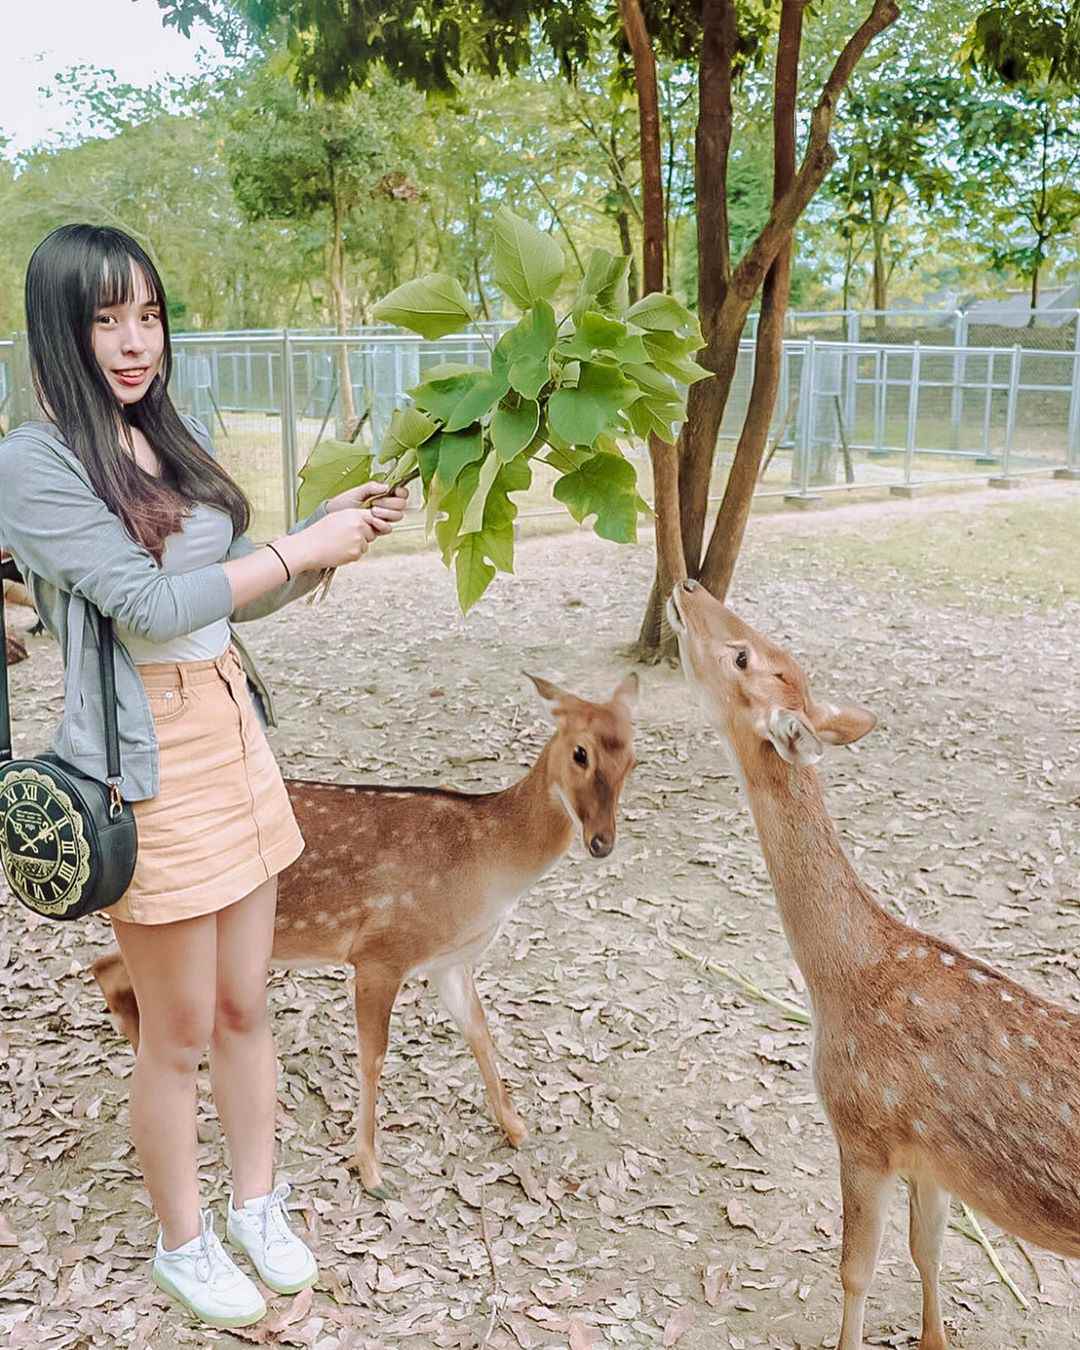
832 921
538 827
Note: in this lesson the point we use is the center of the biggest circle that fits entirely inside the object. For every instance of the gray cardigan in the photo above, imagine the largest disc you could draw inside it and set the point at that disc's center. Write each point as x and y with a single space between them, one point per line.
71 550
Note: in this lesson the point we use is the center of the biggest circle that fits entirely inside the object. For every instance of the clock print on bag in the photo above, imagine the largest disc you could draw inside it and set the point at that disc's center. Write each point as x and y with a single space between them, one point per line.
43 847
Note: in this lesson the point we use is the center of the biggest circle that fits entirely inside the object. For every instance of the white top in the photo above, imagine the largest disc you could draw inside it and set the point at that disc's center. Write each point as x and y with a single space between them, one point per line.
203 538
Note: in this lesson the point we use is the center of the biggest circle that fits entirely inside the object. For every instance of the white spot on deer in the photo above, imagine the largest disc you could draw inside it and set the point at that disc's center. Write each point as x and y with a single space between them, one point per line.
988 1117
1025 1091
921 951
902 953
992 1066
889 1098
916 1000
1064 1113
852 1048
300 925
381 901
863 1078
978 976
1004 1038
947 958
1005 996
1042 1012
919 1126
1028 1041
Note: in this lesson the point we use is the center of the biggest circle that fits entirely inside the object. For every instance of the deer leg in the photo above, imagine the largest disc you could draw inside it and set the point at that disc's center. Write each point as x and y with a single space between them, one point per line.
459 996
375 994
115 983
929 1213
865 1193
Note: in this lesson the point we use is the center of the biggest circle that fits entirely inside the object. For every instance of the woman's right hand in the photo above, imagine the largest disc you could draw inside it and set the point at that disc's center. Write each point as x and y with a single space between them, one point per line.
339 537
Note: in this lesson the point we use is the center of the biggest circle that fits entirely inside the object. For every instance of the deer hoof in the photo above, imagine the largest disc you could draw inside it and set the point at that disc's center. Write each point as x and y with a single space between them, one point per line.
371 1181
516 1132
385 1190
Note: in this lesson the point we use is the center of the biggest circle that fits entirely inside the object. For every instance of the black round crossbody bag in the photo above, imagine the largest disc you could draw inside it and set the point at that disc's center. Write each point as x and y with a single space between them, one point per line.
67 841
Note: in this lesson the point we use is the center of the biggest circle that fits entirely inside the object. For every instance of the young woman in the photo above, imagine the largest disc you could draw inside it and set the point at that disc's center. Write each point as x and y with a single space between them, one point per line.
116 501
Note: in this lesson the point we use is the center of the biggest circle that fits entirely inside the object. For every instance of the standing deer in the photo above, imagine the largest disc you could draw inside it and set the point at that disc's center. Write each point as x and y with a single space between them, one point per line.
930 1064
418 881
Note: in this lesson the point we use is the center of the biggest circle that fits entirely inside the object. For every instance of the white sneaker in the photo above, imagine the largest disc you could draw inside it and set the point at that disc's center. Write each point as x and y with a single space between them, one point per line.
262 1230
202 1276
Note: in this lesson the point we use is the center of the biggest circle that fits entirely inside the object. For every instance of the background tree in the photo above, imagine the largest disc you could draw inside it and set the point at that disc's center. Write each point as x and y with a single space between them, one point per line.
298 159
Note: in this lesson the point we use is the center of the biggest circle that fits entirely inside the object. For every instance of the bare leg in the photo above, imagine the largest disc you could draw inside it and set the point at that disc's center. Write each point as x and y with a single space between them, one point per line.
865 1194
243 1063
172 972
458 993
375 993
929 1213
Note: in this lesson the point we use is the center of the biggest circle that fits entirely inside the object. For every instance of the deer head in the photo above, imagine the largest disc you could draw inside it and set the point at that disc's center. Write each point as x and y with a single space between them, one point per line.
589 756
754 691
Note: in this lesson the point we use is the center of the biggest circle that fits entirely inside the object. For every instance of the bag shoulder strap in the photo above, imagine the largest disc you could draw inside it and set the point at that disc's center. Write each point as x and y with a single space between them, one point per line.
107 669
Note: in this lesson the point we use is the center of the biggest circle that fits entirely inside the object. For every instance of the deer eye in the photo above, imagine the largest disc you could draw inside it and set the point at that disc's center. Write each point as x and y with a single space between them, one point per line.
581 756
742 658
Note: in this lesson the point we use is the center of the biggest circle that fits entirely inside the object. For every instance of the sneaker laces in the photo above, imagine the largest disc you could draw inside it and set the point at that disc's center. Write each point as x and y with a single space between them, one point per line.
212 1262
275 1223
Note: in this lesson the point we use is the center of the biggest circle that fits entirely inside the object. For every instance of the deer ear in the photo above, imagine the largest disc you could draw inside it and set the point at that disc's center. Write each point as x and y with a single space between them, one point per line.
626 692
841 725
793 738
551 695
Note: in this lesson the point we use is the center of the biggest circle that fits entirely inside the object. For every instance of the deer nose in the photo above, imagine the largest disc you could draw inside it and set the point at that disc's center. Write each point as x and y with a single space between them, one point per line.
600 845
691 585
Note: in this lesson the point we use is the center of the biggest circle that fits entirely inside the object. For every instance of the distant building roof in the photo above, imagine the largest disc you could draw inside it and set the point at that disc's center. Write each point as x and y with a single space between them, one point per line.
1055 307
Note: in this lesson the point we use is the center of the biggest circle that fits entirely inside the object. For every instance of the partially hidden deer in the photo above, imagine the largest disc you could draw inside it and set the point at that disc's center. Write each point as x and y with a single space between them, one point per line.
404 881
931 1065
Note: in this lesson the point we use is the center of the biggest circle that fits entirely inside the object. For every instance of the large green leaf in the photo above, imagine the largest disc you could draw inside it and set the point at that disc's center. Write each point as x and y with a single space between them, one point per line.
604 486
604 285
525 351
528 263
456 449
460 400
673 355
474 574
648 415
473 519
409 429
654 383
512 429
332 467
579 414
432 306
594 332
663 313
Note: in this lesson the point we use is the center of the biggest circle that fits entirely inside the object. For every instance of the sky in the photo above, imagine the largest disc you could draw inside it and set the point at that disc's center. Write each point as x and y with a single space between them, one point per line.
38 38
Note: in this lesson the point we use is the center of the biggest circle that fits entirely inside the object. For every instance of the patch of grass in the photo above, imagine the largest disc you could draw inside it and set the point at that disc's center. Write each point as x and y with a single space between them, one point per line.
1009 553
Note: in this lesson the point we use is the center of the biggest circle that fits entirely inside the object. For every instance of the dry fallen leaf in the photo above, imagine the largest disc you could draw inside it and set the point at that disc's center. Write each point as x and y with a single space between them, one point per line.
678 1324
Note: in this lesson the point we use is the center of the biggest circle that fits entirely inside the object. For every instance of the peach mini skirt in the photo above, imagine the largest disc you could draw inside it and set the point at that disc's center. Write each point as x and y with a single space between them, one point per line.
221 823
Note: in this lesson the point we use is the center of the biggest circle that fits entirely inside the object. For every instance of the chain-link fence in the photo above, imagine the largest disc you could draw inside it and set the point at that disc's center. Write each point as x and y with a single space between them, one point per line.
898 411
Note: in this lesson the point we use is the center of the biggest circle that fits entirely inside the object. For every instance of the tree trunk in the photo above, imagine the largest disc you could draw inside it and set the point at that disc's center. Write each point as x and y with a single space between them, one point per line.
725 294
877 235
671 565
720 557
339 296
626 243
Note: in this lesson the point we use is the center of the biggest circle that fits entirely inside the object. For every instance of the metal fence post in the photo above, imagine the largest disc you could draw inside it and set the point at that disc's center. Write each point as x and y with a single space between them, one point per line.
851 371
912 414
1006 479
959 375
1072 434
289 465
804 426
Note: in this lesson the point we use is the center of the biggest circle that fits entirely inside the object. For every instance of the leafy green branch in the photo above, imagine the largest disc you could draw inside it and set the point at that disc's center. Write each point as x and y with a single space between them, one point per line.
579 388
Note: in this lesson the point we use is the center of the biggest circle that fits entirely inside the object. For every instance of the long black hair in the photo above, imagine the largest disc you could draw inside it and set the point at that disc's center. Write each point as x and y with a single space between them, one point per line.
74 272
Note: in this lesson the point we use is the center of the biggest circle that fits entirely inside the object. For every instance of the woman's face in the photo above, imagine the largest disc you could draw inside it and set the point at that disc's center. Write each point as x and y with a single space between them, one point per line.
129 340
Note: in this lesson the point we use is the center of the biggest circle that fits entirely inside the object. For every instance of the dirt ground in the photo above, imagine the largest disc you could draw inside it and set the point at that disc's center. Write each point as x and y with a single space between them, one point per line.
680 1184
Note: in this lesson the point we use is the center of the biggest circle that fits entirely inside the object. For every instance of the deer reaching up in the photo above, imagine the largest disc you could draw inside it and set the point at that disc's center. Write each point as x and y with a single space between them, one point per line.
418 881
931 1065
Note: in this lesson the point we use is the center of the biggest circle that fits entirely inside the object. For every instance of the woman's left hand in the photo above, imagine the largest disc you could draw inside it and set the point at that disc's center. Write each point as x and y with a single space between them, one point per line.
390 508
